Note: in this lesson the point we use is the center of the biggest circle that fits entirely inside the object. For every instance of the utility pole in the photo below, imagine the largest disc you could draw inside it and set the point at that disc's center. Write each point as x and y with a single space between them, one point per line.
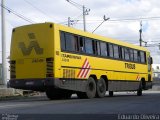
4 67
140 34
84 18
104 19
85 11
69 21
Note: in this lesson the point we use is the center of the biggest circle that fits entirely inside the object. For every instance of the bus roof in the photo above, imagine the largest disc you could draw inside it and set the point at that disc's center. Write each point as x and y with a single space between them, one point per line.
94 36
98 37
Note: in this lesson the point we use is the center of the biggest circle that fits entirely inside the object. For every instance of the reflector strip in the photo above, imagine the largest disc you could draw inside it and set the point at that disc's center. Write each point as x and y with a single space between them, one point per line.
85 70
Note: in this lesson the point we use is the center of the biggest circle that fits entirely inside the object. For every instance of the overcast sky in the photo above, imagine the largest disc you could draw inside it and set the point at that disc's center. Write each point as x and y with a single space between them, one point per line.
124 22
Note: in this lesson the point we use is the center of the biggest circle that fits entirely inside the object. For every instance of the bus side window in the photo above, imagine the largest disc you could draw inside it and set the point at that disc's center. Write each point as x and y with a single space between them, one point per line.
81 44
135 53
103 47
127 54
76 44
142 55
70 42
139 57
111 50
116 51
131 54
88 46
96 47
63 42
121 53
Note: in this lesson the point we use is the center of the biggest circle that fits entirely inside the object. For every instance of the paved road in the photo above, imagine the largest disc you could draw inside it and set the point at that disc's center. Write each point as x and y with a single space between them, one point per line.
121 103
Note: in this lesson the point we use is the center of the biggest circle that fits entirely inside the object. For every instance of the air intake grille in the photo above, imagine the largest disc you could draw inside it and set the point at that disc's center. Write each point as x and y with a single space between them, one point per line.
68 73
49 67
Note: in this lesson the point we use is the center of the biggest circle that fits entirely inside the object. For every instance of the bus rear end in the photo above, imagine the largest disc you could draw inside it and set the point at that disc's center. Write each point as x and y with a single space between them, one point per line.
31 60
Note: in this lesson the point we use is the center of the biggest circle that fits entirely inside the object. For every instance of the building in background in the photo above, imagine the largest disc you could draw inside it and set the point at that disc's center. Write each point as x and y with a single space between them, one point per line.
156 70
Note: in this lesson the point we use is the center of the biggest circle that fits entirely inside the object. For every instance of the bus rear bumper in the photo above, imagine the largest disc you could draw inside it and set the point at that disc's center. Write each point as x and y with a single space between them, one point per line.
32 84
43 84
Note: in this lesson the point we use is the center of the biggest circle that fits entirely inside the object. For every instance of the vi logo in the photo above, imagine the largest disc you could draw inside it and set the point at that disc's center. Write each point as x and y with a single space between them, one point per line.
32 45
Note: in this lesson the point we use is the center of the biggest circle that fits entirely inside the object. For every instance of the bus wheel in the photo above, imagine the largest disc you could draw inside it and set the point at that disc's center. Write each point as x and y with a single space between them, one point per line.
111 93
101 88
90 89
139 91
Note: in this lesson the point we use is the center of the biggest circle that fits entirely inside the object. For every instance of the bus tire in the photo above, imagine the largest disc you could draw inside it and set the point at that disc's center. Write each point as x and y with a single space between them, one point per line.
90 90
139 91
111 93
101 88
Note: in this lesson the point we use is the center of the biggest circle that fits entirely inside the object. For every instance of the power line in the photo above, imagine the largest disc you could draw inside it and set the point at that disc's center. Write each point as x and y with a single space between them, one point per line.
79 6
76 6
135 19
129 19
9 22
75 20
34 7
78 16
153 41
125 19
38 9
17 14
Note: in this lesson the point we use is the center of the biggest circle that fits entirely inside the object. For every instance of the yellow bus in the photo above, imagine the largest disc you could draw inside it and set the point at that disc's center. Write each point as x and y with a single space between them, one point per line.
62 61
